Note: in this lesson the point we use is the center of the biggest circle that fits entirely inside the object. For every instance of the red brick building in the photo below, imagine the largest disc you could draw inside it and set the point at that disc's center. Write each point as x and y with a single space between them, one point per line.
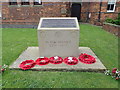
30 11
98 12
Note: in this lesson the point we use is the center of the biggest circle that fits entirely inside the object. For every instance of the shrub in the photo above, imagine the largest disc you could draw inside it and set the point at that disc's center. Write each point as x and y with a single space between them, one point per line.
117 22
118 16
109 20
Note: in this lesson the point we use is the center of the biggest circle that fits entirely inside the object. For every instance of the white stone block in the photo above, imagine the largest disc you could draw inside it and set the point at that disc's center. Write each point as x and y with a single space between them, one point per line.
58 37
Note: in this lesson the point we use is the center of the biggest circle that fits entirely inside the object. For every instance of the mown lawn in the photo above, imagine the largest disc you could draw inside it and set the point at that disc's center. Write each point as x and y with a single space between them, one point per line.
104 44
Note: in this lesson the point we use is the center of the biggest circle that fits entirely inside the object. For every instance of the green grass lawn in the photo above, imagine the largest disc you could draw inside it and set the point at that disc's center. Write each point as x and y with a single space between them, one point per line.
104 44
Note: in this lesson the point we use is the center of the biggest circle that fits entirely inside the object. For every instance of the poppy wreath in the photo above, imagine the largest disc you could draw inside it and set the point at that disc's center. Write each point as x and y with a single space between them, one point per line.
87 59
25 67
42 61
56 60
70 60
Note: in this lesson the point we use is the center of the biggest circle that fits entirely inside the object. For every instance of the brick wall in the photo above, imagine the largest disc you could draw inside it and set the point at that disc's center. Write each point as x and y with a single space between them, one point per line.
31 14
93 8
114 29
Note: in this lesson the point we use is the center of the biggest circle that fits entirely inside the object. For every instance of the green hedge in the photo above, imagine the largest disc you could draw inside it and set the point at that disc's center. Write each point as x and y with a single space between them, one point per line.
116 21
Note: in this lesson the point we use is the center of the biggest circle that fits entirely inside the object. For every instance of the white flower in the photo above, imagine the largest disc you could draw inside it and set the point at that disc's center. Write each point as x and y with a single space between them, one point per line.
56 57
70 59
107 72
117 72
41 57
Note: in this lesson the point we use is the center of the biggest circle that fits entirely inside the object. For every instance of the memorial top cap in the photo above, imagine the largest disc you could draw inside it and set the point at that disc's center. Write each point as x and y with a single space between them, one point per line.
58 23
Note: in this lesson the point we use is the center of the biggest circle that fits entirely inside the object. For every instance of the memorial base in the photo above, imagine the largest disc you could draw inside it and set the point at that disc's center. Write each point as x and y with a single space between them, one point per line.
33 53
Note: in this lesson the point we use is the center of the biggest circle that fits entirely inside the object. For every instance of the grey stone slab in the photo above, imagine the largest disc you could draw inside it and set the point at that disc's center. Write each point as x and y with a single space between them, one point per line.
33 53
58 23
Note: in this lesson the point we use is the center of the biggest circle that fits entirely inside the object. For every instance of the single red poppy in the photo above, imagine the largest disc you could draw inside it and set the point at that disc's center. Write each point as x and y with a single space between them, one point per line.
87 59
114 70
42 61
2 70
70 60
56 60
25 67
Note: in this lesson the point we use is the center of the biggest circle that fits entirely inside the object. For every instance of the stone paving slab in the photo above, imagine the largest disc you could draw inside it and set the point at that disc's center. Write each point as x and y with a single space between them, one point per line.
33 53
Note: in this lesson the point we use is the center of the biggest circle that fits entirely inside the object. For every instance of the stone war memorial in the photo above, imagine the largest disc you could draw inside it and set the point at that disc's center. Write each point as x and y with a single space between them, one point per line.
59 38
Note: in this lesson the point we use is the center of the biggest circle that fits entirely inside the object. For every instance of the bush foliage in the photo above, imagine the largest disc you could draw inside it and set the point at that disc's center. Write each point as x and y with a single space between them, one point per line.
116 21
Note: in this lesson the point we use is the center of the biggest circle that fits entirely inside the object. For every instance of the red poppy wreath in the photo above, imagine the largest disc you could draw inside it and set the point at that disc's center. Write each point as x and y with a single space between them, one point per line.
42 61
24 65
87 59
56 60
71 60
